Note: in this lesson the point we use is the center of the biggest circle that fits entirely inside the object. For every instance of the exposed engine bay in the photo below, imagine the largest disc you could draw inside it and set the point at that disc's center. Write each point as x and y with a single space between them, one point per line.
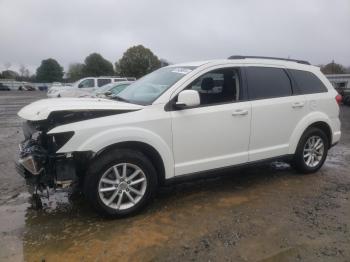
38 161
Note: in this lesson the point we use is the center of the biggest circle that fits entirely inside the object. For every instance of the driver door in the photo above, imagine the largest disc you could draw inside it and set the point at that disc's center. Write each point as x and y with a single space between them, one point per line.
86 86
216 133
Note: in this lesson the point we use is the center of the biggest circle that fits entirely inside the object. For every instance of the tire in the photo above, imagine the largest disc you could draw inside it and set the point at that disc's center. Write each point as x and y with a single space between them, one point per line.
103 169
300 162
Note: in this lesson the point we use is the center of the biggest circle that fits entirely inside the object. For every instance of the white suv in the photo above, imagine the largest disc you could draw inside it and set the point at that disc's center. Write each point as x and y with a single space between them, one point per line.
178 121
84 86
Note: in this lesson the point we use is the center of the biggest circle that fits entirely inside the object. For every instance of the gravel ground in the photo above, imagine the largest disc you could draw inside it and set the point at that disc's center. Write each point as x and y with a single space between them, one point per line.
266 213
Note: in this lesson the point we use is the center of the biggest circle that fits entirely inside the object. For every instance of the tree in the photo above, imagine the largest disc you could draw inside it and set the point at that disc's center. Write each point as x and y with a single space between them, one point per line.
75 71
333 68
24 73
96 65
49 71
137 61
10 74
164 62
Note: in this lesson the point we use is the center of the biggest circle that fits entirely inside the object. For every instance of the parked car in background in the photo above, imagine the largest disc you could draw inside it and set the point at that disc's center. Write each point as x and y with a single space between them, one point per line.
87 84
108 90
26 87
56 84
4 87
43 88
345 93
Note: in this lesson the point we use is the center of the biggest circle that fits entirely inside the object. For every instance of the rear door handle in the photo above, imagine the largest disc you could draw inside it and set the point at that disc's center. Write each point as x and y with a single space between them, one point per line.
298 104
240 112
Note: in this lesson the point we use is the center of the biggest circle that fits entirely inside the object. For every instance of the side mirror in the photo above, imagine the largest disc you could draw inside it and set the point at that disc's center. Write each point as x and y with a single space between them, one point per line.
188 98
108 93
80 85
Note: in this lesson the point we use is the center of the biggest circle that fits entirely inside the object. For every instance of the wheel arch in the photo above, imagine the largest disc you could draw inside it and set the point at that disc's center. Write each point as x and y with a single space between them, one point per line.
148 150
318 120
325 128
139 138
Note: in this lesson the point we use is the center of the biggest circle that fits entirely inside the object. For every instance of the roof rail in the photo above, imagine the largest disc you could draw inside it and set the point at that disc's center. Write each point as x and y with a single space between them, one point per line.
111 76
267 57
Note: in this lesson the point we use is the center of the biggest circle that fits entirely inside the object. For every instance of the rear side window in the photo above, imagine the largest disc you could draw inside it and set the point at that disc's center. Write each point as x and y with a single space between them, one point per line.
307 82
103 81
267 82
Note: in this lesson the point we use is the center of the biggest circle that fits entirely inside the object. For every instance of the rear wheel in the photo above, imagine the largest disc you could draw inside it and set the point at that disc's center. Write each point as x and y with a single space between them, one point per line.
311 151
120 182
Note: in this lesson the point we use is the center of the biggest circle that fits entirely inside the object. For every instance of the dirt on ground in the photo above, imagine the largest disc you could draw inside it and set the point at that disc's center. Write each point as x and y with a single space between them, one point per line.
266 213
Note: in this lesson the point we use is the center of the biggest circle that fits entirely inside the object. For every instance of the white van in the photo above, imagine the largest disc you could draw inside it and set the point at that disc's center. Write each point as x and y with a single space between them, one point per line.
84 85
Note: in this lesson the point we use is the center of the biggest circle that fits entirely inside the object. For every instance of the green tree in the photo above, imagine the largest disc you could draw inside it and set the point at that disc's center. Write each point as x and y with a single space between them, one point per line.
96 65
75 71
9 74
49 71
137 61
333 68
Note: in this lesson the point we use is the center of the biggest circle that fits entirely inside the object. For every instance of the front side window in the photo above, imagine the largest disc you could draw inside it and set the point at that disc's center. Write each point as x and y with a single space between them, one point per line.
103 81
307 82
267 82
147 89
87 83
117 89
218 86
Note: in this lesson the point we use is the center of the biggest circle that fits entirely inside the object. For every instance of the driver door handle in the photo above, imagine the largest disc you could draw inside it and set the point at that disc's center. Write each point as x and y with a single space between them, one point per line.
240 112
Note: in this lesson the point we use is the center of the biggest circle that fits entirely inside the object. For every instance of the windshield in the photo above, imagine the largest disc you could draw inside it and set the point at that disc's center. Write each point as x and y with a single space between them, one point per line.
104 88
150 87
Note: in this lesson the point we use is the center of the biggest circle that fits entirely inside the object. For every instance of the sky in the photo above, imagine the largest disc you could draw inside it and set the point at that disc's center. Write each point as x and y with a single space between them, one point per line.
175 30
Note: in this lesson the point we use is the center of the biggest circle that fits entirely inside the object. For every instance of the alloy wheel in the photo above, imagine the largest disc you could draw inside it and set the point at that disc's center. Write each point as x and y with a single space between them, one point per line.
313 151
122 186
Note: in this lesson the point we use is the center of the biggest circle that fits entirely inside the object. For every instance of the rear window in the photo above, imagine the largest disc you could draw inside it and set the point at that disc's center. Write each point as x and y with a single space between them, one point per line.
307 82
268 82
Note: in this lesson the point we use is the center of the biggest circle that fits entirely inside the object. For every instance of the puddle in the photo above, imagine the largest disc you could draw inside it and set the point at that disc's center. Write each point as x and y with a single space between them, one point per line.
70 227
230 214
12 225
338 157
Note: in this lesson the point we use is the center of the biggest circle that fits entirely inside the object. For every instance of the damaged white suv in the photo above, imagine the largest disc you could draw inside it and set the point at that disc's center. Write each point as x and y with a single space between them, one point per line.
178 121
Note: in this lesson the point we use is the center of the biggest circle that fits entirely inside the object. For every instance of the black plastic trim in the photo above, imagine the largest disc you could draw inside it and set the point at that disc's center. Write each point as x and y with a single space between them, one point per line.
220 171
272 58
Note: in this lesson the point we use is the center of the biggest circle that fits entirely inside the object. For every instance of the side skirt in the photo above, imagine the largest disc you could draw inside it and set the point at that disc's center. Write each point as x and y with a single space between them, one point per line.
222 171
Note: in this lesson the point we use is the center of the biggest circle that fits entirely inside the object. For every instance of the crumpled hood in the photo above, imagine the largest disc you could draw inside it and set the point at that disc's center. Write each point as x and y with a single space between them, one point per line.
40 110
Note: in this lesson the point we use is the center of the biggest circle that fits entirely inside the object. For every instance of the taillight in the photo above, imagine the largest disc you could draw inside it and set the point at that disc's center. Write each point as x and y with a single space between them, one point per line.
338 98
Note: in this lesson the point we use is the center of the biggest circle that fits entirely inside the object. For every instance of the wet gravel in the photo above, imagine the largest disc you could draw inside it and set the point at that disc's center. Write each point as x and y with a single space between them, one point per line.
266 213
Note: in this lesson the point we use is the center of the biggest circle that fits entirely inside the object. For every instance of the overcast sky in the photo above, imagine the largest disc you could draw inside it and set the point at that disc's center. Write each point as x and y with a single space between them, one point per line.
177 30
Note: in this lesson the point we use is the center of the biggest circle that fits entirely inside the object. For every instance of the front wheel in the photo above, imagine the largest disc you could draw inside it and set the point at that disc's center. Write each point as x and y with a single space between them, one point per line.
312 151
120 182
